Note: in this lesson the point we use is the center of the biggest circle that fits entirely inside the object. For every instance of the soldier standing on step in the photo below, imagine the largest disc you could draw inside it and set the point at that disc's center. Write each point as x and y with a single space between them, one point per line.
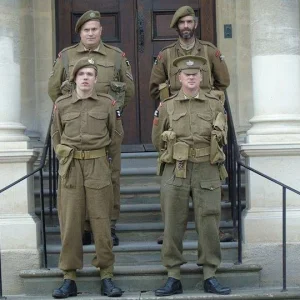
189 131
164 77
116 79
83 136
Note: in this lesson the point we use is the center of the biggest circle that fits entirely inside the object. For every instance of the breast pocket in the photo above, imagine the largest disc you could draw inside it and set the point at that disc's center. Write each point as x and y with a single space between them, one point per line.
71 123
106 71
180 124
204 123
97 122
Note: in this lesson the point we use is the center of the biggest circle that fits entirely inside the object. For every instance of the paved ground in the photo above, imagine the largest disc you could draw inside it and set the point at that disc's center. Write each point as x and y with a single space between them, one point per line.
262 294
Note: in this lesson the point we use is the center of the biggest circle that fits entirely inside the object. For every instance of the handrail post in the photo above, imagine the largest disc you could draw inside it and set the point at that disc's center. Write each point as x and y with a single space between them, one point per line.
284 239
43 218
239 213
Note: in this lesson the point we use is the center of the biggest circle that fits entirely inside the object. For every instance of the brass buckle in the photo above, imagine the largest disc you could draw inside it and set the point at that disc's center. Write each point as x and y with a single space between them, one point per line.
82 154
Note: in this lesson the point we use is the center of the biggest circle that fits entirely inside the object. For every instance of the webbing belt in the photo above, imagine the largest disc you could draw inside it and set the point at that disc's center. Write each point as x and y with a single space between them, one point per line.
89 154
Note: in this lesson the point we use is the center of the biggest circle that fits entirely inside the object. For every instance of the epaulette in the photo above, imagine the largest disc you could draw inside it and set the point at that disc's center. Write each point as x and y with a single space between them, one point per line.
114 48
67 48
211 96
168 46
208 44
171 97
62 97
109 97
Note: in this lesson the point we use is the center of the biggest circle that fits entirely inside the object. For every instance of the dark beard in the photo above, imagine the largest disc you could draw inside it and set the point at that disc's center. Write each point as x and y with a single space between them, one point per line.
186 33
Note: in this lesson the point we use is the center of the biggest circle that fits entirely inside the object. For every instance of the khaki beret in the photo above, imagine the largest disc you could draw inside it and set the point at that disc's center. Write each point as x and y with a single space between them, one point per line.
190 64
180 13
87 16
83 63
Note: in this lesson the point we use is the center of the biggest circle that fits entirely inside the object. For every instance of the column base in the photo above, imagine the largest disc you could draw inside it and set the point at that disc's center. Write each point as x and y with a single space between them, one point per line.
269 256
15 261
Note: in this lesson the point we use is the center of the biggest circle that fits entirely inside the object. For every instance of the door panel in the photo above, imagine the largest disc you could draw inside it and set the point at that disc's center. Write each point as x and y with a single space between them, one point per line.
141 28
156 17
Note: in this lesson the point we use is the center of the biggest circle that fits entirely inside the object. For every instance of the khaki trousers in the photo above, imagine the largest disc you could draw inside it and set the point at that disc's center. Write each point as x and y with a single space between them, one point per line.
115 177
87 188
203 185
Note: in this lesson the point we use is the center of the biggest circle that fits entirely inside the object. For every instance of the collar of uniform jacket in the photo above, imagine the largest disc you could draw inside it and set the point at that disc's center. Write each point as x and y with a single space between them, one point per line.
76 98
100 49
197 45
181 96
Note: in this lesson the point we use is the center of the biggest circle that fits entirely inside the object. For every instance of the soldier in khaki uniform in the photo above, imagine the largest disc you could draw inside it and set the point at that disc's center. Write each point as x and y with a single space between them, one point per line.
116 79
164 76
164 80
83 135
189 130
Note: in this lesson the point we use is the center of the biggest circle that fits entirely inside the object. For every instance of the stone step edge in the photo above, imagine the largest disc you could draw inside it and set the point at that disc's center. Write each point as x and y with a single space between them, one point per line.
135 189
139 246
145 226
151 207
239 293
135 270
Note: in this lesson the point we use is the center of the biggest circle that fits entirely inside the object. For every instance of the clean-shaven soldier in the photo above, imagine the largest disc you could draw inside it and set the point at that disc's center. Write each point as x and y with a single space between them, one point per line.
189 131
83 136
116 79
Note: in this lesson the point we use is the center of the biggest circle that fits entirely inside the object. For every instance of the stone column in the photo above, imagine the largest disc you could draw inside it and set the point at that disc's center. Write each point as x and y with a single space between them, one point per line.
19 226
273 142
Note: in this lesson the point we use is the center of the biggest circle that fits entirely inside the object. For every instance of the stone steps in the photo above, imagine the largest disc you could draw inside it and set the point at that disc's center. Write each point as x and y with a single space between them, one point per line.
241 294
145 212
146 253
142 278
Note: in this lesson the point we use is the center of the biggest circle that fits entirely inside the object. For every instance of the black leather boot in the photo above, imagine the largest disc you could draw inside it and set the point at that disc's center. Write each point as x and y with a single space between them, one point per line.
87 238
109 289
160 239
68 289
212 285
114 237
173 286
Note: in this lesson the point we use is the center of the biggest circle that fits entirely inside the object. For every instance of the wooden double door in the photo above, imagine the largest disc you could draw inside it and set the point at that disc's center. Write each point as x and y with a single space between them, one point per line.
141 28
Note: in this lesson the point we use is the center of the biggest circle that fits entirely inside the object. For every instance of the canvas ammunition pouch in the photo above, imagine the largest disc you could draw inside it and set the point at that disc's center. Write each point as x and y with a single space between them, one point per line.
65 155
117 88
181 155
164 91
66 87
219 94
166 152
218 140
117 91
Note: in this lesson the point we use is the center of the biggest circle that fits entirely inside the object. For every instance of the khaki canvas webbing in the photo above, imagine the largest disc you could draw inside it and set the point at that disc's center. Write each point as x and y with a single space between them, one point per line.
169 62
117 67
208 64
65 61
89 154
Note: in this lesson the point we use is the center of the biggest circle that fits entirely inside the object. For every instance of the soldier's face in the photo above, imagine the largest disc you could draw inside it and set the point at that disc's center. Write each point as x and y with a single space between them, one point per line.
190 81
86 79
186 27
90 34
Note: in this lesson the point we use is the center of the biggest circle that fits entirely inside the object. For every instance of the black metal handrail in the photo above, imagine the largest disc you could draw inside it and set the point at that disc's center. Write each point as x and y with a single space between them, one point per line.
236 161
